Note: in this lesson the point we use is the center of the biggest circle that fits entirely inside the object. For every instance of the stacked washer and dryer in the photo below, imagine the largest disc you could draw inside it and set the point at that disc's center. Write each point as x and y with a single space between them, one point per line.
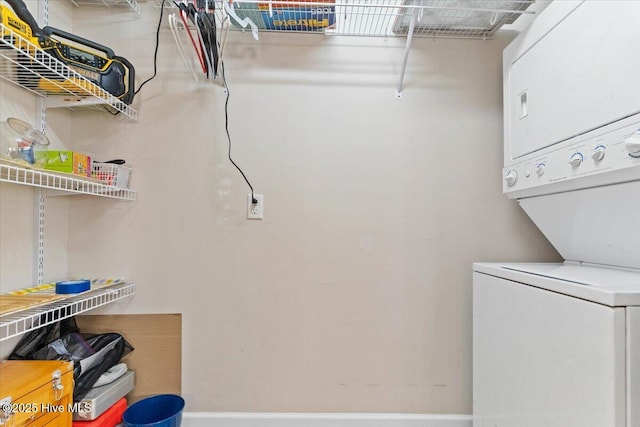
558 345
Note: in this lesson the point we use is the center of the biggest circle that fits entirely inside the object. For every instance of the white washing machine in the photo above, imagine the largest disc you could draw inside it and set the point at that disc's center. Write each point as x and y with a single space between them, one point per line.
558 345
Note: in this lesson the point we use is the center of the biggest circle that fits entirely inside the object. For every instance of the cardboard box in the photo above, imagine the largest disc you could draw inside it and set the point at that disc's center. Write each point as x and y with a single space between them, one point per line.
299 19
248 10
157 340
69 162
289 17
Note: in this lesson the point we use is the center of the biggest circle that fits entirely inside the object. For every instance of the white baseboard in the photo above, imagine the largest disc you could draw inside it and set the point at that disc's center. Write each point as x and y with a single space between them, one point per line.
250 419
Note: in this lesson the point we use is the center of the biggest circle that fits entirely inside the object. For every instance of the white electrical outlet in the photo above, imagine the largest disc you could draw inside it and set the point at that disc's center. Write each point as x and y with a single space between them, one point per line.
255 210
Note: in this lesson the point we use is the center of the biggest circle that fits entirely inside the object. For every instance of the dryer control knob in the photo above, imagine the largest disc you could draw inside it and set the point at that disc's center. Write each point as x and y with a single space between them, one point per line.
598 153
632 144
540 169
576 160
511 178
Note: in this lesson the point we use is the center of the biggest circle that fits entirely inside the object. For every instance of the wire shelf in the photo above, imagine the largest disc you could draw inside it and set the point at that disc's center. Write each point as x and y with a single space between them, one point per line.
26 65
63 182
16 323
476 19
133 4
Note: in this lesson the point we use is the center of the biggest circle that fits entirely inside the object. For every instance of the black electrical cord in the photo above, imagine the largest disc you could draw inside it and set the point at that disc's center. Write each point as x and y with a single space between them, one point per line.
155 60
226 127
155 53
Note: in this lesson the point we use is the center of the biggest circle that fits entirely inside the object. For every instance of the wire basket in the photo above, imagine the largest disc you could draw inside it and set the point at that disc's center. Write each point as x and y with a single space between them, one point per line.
112 174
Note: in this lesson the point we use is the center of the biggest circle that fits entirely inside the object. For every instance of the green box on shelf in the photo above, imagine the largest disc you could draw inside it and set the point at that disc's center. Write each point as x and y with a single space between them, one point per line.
68 161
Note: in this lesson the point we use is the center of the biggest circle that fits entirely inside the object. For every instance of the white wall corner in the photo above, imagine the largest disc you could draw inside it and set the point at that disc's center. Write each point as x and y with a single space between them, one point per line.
239 419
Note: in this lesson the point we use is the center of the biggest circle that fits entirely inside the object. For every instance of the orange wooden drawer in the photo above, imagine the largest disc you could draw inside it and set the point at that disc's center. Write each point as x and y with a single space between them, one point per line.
59 420
27 387
43 420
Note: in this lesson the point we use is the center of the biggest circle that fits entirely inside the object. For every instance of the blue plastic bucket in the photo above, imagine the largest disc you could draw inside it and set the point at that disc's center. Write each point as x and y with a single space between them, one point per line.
163 410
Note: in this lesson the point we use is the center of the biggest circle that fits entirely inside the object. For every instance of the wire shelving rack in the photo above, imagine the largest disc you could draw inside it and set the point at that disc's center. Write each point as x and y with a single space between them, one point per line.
19 322
476 19
133 4
69 184
26 65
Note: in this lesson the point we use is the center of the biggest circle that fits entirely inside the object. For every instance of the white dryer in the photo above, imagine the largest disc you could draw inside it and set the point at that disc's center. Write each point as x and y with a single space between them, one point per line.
558 345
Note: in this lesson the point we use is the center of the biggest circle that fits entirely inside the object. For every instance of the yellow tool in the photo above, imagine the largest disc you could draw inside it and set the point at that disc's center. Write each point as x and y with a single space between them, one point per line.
93 61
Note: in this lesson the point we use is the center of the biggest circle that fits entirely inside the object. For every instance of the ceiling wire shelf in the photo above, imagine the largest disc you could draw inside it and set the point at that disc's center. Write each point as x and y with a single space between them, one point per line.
67 183
29 319
26 65
475 19
462 19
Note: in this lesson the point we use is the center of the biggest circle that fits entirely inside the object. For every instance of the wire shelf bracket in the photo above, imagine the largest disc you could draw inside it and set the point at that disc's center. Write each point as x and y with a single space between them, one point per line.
407 50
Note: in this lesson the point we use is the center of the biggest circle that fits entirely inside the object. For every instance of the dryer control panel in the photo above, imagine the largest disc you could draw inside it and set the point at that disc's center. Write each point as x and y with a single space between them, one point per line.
605 156
571 106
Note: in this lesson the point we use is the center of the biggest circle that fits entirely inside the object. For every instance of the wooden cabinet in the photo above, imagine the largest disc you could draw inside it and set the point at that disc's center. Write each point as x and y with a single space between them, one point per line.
36 393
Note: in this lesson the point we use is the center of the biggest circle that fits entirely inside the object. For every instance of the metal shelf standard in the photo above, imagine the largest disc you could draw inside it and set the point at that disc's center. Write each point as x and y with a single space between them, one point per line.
16 323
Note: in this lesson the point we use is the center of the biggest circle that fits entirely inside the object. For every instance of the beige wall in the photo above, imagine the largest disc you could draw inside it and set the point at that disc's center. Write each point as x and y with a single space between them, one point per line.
354 293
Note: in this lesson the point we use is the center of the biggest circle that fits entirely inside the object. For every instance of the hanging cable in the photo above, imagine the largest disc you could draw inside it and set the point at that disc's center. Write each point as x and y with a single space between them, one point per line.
226 127
155 53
